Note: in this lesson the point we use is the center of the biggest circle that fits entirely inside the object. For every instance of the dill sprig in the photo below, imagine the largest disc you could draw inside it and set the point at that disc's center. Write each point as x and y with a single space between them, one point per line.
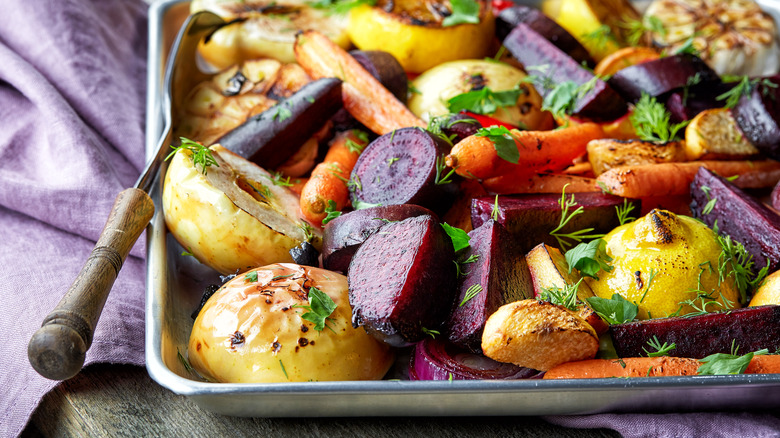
200 155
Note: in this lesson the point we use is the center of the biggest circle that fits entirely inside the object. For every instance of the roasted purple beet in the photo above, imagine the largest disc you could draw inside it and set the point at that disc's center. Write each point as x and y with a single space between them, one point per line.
401 168
498 276
739 215
344 235
460 126
758 116
550 64
530 218
661 76
274 135
685 105
402 281
750 329
386 69
435 359
544 26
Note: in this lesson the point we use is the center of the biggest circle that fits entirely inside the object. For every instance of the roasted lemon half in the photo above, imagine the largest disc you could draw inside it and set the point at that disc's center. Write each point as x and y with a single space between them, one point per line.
423 34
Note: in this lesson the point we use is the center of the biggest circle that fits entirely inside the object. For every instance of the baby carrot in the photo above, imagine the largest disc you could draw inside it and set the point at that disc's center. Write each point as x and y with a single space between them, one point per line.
328 180
476 156
539 183
663 179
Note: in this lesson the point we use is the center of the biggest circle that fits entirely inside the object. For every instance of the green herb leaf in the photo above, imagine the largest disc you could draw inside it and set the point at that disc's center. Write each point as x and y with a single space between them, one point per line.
463 11
566 297
460 239
430 332
660 350
459 265
589 258
615 310
332 212
722 363
360 205
320 307
340 7
577 236
251 277
484 101
282 113
687 48
735 261
623 211
198 153
651 121
471 292
745 88
600 37
306 228
279 180
441 167
503 141
495 212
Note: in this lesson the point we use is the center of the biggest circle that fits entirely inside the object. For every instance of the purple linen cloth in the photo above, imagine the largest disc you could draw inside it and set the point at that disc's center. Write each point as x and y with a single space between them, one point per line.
72 103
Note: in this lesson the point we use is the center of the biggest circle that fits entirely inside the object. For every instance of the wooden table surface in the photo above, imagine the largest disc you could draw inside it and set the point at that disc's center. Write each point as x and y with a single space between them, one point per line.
122 400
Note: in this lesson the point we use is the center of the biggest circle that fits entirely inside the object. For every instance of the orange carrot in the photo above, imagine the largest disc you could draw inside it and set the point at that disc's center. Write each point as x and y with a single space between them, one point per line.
665 179
328 180
649 367
539 183
298 184
364 97
476 157
626 367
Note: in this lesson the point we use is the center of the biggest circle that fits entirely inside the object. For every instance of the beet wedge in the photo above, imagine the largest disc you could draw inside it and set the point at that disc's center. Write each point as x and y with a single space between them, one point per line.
661 76
402 281
750 329
274 135
496 274
550 64
530 218
738 215
344 235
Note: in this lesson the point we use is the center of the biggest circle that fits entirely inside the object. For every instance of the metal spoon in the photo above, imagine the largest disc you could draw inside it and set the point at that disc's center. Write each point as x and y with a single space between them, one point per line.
58 349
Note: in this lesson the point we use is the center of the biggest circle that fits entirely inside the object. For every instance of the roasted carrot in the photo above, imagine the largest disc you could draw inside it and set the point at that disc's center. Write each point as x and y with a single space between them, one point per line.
539 183
626 367
298 184
665 179
364 97
649 367
476 156
328 180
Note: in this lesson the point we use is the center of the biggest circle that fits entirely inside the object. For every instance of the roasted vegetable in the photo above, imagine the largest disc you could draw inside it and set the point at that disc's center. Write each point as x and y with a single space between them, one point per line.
605 154
714 134
660 76
230 215
422 35
284 323
537 334
402 281
494 273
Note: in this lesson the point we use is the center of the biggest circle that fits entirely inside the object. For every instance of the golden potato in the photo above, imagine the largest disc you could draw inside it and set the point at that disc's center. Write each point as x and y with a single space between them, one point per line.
253 330
232 218
537 334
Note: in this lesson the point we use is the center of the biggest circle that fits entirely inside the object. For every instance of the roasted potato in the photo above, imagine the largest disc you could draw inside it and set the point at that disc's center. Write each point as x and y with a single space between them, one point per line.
713 134
606 154
539 335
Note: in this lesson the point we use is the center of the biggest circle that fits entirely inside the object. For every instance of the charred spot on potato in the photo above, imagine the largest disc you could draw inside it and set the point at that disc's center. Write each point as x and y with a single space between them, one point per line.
276 346
304 329
237 338
477 82
235 83
303 342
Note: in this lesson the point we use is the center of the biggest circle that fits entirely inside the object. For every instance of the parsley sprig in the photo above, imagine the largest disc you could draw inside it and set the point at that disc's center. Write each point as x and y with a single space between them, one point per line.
332 212
722 363
484 101
589 258
319 309
460 239
651 121
463 11
615 310
200 155
503 142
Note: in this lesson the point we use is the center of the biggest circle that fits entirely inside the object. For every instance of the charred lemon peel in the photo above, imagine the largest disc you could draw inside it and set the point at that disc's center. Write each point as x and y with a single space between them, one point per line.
667 265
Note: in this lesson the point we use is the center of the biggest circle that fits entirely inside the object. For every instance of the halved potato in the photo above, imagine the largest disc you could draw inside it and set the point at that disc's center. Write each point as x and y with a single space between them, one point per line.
232 218
537 334
606 154
264 29
252 330
439 84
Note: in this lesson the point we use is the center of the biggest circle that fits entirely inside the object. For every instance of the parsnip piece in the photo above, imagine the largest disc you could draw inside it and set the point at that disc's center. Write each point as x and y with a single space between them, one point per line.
537 334
714 134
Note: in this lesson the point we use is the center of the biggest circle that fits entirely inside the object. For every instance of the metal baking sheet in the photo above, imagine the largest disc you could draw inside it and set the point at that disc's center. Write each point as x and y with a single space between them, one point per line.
175 284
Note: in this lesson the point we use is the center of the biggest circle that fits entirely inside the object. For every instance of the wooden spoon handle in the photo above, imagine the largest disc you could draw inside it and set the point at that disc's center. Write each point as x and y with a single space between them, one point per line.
57 350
